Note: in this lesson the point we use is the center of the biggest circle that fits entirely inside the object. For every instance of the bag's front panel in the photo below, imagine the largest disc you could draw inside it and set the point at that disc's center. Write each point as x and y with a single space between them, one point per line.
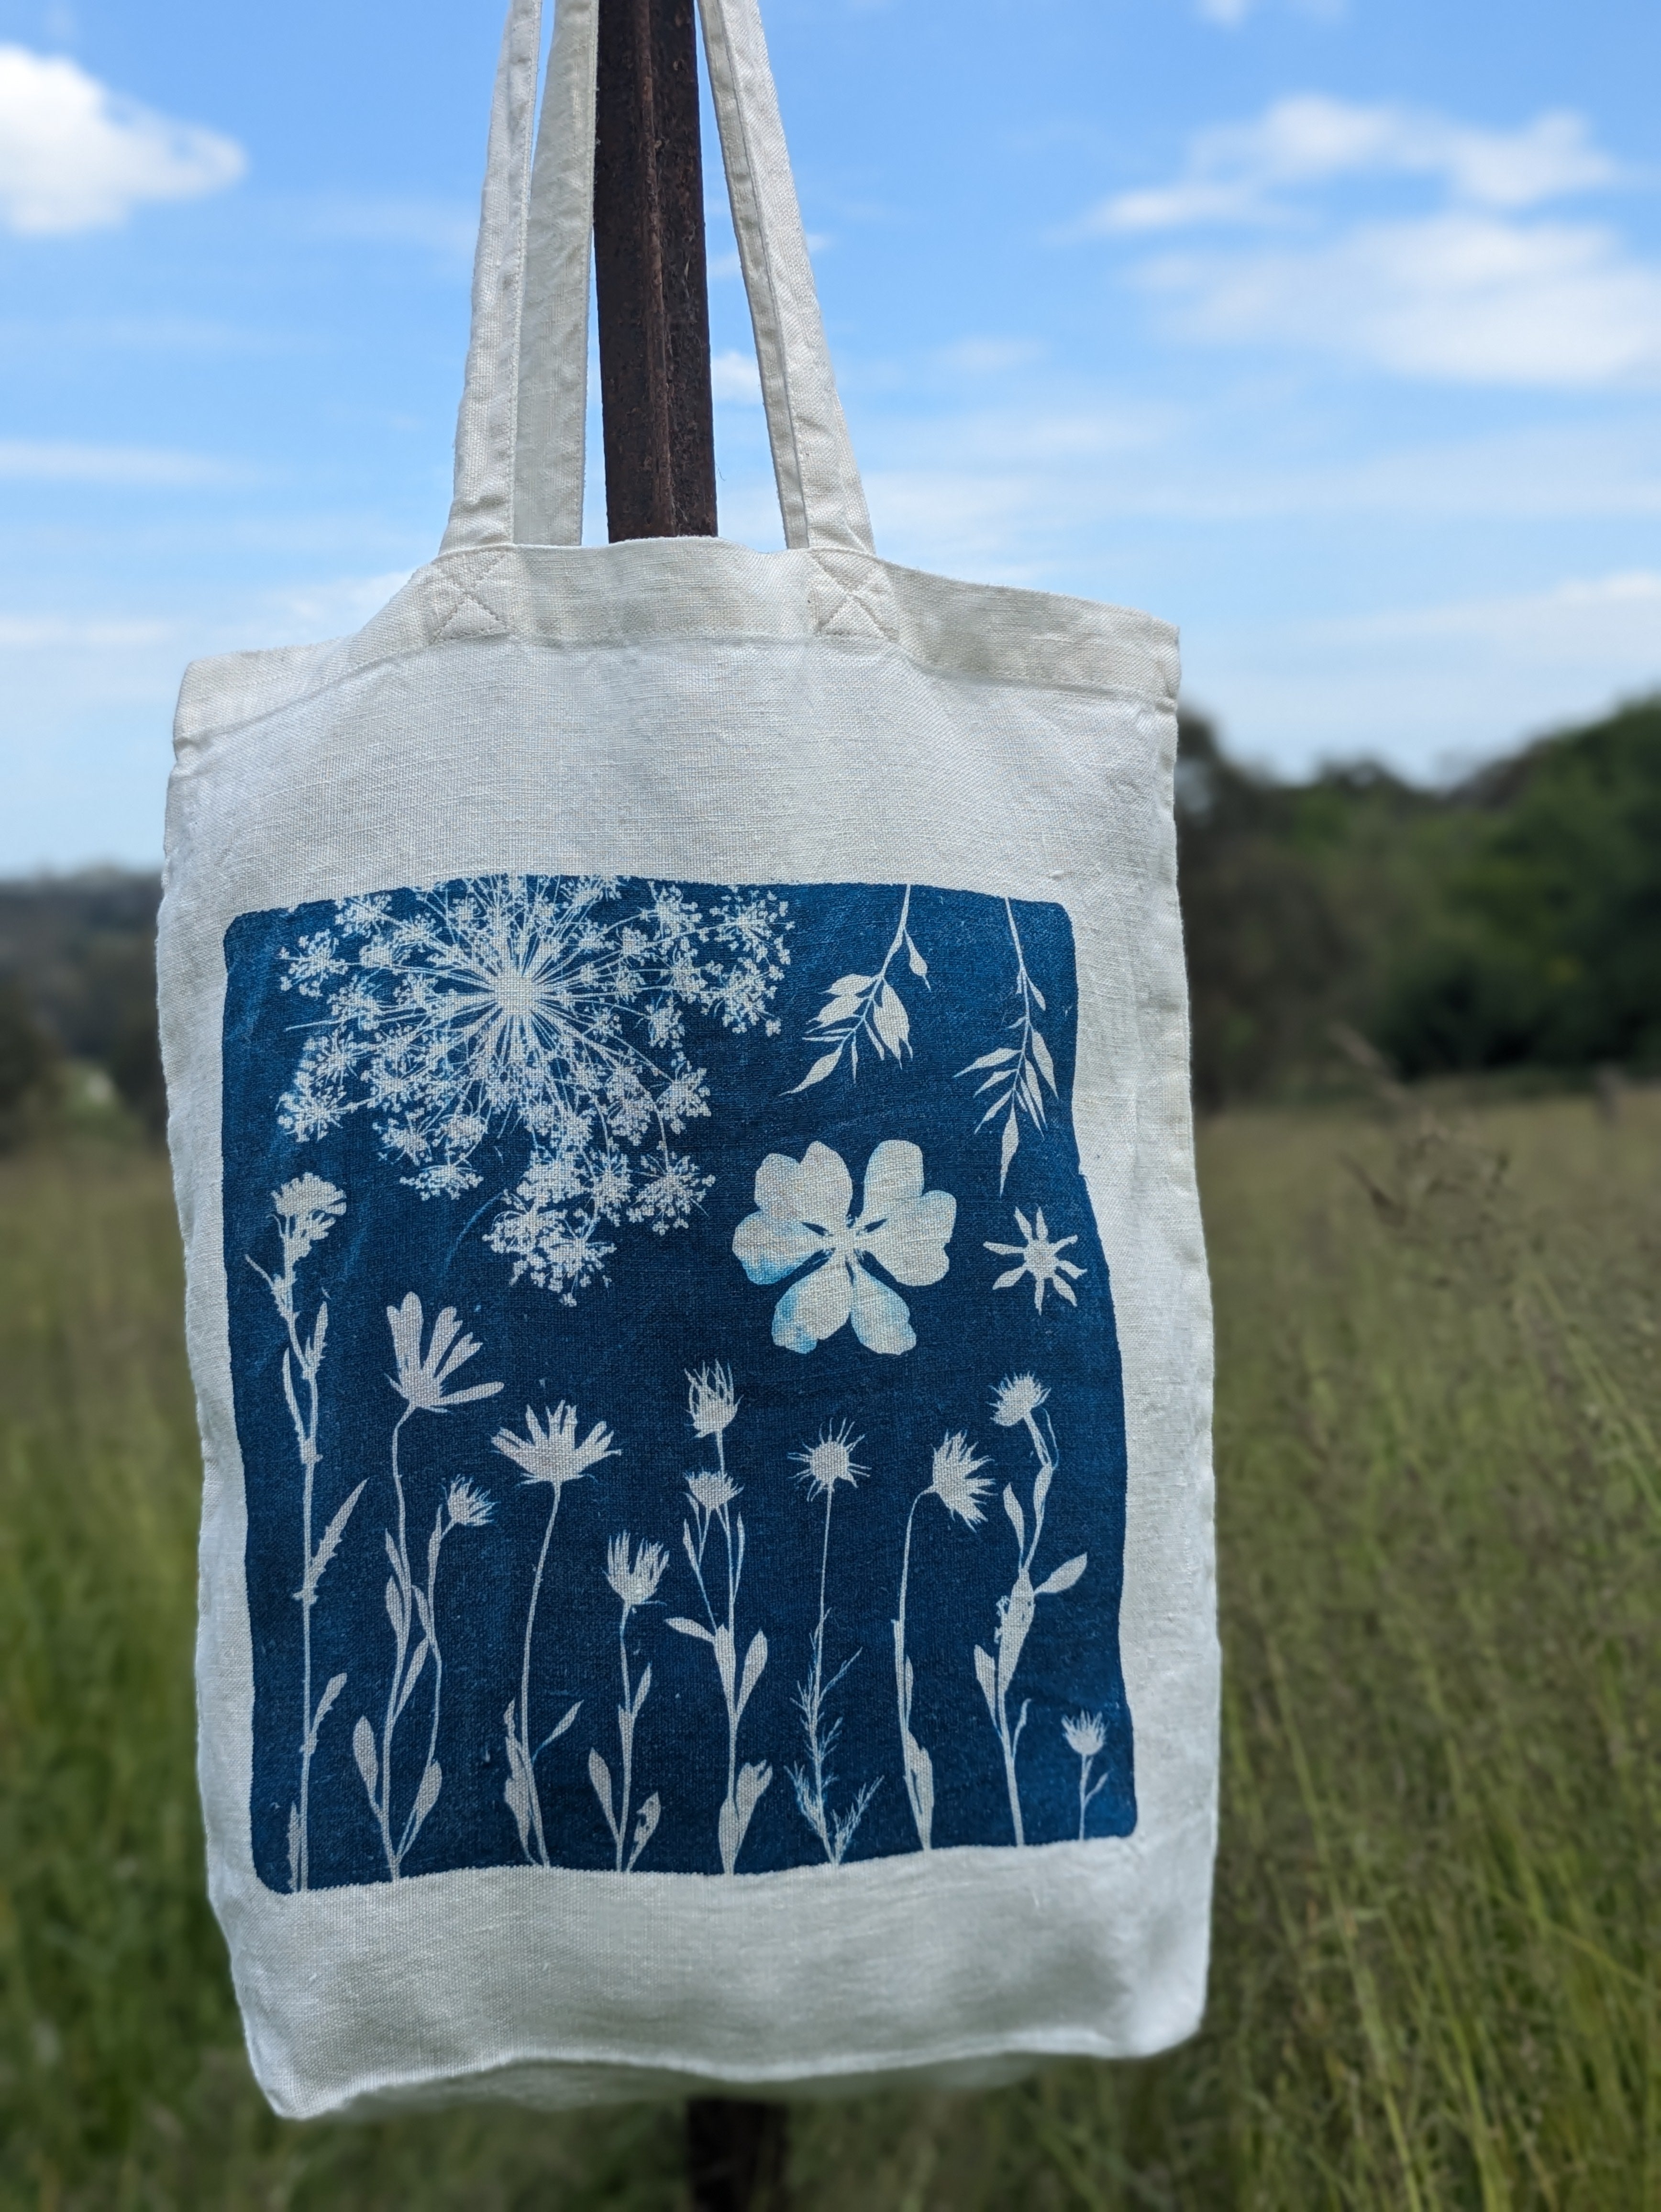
675 1380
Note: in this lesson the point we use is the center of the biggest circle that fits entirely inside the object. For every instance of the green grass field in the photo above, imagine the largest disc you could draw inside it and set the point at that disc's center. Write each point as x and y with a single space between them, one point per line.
1439 1508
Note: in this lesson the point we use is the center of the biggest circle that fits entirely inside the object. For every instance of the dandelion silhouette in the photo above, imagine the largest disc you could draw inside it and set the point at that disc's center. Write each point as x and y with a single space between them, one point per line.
955 1478
712 1406
306 1208
423 1381
548 1453
633 1584
826 1466
1016 1404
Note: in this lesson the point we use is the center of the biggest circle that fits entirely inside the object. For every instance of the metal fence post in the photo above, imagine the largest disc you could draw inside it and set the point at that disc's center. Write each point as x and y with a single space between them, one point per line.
654 312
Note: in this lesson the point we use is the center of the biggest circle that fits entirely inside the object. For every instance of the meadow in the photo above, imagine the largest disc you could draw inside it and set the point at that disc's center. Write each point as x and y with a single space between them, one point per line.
1440 1525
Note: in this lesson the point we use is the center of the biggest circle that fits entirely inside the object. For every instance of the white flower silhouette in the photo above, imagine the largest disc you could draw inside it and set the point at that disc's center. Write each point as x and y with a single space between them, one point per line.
803 1210
547 1011
1040 1257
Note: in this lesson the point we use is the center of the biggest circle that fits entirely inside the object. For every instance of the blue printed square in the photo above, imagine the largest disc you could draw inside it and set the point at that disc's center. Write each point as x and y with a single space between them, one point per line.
676 1378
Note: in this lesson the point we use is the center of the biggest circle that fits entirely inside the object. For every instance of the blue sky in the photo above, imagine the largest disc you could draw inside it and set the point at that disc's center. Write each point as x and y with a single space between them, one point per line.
1330 329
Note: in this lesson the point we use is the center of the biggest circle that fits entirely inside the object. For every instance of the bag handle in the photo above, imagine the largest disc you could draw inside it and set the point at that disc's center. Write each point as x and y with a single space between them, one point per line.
520 434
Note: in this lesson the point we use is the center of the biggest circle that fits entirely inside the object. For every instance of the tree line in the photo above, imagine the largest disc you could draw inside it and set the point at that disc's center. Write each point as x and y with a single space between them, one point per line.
1510 921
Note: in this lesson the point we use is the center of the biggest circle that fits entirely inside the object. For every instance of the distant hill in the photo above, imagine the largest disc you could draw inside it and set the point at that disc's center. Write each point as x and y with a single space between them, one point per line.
1513 921
82 950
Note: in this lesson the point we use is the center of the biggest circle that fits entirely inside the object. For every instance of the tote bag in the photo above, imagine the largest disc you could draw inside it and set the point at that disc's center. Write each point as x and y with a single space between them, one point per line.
678 1063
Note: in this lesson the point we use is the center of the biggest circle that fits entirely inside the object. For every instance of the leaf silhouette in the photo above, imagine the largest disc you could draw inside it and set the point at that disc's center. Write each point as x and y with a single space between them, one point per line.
1012 1138
753 1779
410 1677
645 1827
914 960
336 1683
755 1659
363 1752
1064 1577
987 1676
820 1069
601 1775
1004 1054
329 1544
692 1628
427 1797
892 1022
559 1727
1041 1053
1011 1506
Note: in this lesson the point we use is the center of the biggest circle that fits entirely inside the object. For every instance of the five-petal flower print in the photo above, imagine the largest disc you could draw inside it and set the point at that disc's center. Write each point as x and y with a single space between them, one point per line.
803 1213
731 1554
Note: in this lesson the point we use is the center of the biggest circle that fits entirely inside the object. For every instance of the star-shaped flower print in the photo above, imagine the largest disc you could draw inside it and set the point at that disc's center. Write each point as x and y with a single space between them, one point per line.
1039 1257
804 1214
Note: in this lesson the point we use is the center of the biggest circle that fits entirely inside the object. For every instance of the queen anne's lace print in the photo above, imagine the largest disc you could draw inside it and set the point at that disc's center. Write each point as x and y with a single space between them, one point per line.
548 1009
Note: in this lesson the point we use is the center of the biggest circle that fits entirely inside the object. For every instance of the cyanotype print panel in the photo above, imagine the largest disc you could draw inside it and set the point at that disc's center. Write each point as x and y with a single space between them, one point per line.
698 1263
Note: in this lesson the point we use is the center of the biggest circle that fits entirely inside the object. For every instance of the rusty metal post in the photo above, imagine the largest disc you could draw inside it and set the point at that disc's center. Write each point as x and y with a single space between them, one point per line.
736 2153
654 309
650 279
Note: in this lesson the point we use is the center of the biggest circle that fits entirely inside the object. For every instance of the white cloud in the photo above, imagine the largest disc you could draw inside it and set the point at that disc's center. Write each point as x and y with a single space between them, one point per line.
734 379
33 460
1464 297
74 155
1241 173
1484 289
31 633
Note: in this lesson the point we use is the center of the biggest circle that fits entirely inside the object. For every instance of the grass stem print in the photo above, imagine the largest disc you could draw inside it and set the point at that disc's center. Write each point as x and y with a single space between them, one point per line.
713 1407
827 1465
411 1605
549 1454
305 1210
1086 1736
956 1480
1018 1402
633 1582
547 1142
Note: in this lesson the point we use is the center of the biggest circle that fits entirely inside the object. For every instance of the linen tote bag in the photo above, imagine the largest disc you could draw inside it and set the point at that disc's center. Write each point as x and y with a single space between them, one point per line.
679 1073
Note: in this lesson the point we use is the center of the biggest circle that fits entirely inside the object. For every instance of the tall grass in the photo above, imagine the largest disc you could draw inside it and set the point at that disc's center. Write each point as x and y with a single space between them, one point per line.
1439 1511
